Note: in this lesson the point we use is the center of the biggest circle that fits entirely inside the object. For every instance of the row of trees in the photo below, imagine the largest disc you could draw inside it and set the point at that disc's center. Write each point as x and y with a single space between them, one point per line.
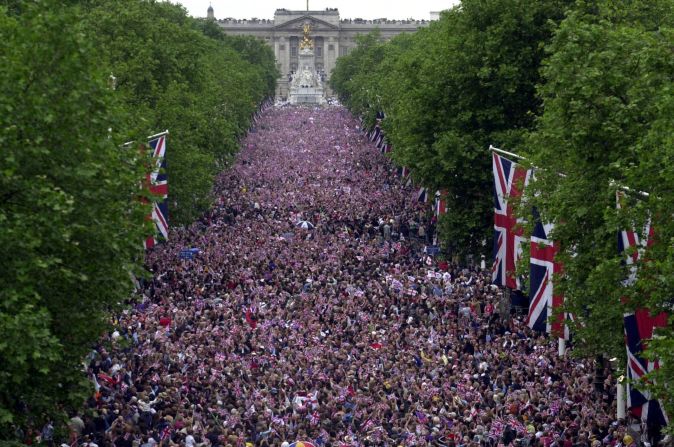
79 79
580 88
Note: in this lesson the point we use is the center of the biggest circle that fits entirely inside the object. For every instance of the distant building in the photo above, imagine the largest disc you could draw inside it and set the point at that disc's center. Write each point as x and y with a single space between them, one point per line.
332 36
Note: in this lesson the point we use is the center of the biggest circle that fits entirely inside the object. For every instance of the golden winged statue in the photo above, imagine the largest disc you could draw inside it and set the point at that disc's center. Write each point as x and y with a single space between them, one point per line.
306 40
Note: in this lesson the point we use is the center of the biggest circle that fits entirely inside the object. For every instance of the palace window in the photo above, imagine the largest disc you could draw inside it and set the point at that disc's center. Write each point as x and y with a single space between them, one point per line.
319 51
293 51
331 47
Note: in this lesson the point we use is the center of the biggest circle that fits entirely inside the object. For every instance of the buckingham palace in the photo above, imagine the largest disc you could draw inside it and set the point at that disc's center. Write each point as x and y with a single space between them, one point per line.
332 37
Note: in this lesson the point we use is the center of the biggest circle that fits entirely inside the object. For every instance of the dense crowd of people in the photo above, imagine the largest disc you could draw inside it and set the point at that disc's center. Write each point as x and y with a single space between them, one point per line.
306 311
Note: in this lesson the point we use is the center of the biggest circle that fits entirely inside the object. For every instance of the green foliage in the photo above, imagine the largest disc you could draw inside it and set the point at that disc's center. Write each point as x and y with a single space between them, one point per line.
608 122
71 223
184 75
450 90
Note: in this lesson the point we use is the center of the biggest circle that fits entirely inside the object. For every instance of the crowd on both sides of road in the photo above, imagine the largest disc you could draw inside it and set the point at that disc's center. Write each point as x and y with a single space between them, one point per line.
308 315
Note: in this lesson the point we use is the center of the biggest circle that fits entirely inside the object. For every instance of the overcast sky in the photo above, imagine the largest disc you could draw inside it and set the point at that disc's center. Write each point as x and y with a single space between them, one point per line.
348 9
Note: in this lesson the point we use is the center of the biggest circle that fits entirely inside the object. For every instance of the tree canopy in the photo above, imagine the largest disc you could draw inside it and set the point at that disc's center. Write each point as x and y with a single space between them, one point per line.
607 127
71 223
450 90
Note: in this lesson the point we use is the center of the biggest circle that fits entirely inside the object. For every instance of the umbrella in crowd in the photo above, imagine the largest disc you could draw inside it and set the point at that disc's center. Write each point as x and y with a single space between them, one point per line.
305 224
346 335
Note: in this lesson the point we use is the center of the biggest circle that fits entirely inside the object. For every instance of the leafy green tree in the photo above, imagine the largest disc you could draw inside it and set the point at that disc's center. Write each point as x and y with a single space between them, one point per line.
357 86
184 75
607 123
452 89
69 218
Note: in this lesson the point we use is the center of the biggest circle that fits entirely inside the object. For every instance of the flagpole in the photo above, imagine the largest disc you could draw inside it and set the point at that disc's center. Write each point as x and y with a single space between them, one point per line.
628 189
501 151
620 400
561 347
158 135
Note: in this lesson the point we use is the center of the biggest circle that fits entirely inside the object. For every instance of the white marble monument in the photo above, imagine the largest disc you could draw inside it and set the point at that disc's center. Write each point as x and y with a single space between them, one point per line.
306 85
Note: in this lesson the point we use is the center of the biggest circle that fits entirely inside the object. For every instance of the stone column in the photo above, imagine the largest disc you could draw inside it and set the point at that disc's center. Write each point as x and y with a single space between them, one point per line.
277 55
333 58
284 62
329 55
277 58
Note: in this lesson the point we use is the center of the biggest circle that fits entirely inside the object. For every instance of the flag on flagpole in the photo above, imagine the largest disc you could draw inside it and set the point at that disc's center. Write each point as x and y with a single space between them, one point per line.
544 301
375 133
422 195
639 327
509 180
380 140
157 181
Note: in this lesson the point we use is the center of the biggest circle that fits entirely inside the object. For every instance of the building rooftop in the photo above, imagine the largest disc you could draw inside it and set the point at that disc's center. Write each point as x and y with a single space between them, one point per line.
327 12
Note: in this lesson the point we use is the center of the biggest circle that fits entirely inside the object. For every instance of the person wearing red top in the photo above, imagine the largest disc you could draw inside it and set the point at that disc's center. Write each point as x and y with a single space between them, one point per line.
165 321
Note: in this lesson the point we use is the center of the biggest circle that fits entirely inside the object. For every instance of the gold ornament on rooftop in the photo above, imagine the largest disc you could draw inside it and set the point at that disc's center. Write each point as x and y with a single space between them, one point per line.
306 40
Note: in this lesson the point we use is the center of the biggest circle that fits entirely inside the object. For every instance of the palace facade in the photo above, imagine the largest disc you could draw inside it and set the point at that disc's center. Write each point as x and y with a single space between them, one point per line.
333 37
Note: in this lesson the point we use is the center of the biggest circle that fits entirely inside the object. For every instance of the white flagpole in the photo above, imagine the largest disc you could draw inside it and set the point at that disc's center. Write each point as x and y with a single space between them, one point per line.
158 134
561 347
620 400
509 154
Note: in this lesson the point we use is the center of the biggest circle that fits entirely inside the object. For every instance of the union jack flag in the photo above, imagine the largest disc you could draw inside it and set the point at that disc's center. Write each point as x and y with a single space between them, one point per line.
158 184
380 140
375 133
403 172
639 327
633 243
509 179
543 301
166 433
422 195
386 148
314 418
518 426
497 428
440 203
368 425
